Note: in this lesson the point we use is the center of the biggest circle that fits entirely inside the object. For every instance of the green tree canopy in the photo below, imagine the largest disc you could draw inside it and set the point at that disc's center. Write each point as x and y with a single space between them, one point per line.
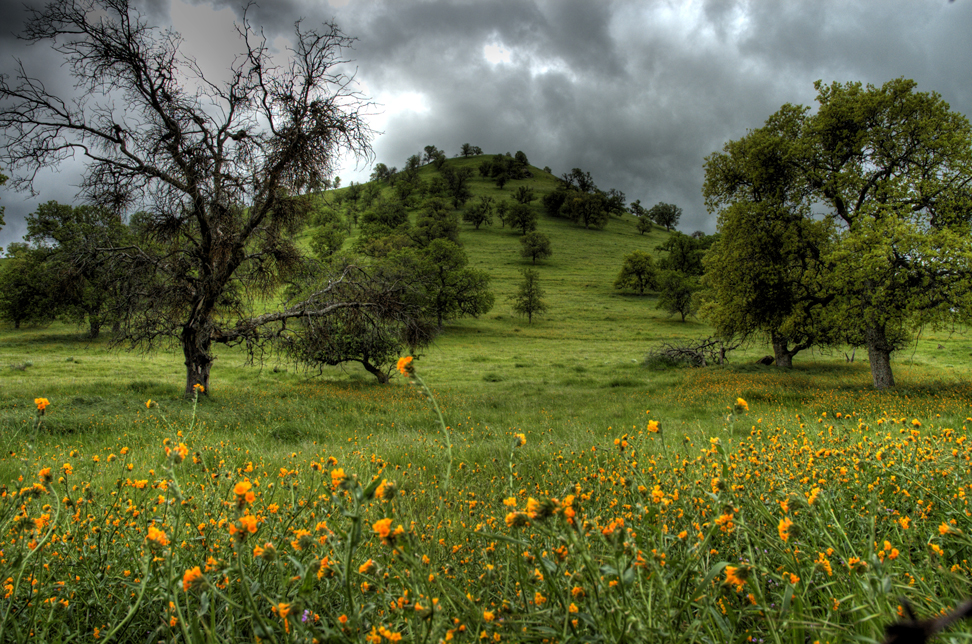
451 289
665 214
536 246
676 293
892 166
528 299
521 217
638 273
77 242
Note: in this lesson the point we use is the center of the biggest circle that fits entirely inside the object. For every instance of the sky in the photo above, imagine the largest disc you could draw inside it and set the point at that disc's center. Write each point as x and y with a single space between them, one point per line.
636 92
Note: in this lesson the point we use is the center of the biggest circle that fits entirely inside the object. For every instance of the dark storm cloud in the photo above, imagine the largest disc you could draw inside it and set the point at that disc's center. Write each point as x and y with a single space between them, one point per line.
638 93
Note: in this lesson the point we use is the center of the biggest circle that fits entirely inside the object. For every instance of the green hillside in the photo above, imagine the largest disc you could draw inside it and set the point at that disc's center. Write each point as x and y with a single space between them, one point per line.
588 319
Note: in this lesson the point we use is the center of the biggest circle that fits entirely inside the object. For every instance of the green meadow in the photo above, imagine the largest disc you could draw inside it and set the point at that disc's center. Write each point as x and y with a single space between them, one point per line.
646 504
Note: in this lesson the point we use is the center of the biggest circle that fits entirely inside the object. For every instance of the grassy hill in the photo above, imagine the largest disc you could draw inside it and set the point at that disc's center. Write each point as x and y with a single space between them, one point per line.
587 318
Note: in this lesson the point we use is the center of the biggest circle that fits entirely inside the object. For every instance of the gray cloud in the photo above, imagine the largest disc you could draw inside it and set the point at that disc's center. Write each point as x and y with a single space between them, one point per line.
638 93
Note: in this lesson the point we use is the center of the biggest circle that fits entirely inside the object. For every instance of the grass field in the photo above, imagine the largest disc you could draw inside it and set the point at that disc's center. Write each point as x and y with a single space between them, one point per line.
802 518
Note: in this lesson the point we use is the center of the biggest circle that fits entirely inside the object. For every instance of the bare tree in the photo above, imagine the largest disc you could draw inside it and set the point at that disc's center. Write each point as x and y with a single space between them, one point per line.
219 167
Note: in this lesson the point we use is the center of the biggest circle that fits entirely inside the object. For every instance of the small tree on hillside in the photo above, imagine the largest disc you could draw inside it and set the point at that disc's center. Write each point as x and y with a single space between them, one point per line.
644 225
503 212
480 213
665 214
528 300
435 222
524 195
522 217
536 246
676 293
457 182
637 273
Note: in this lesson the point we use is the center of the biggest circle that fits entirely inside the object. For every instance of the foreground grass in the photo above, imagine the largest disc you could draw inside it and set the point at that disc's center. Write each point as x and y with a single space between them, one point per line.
804 518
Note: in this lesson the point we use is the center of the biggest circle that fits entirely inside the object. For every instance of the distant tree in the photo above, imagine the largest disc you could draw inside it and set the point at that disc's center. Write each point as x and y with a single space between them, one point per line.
536 246
547 169
684 253
470 150
27 288
486 169
665 214
410 170
379 172
369 192
439 160
431 154
637 209
522 217
327 240
336 183
501 180
588 208
480 212
436 221
353 194
614 202
528 300
383 219
524 195
453 290
676 293
76 242
554 201
437 187
644 225
521 159
577 179
503 212
638 273
457 181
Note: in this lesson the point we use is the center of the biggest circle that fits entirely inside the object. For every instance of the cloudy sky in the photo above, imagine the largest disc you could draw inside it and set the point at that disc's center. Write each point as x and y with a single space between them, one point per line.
636 92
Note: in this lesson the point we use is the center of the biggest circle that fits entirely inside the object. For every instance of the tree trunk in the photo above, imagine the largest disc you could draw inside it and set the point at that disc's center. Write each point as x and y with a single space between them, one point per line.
784 357
196 345
94 326
879 355
375 371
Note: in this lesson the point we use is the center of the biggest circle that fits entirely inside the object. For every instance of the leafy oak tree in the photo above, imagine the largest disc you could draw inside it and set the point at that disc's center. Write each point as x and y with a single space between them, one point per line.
894 165
676 293
892 252
528 300
452 290
27 287
220 165
536 246
521 217
768 274
480 213
638 273
665 214
76 242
